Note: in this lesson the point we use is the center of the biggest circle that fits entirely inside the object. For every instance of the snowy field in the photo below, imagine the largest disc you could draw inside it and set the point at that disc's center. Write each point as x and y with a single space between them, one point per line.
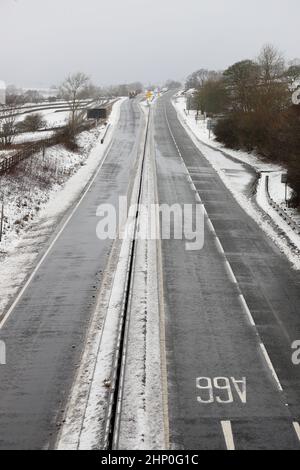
52 117
234 168
32 136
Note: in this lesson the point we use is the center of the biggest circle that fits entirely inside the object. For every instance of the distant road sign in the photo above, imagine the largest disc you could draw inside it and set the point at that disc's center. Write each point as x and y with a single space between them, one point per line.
97 113
284 178
209 124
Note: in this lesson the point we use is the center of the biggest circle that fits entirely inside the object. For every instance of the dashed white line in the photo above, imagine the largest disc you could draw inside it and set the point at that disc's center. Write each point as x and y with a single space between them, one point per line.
241 297
247 310
270 365
230 272
228 435
297 429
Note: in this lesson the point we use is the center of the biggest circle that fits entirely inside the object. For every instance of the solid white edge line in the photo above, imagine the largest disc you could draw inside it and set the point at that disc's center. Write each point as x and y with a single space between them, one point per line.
20 294
228 435
297 429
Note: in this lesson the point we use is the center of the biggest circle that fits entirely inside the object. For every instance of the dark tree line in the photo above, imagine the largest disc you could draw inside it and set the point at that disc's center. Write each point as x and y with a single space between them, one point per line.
253 102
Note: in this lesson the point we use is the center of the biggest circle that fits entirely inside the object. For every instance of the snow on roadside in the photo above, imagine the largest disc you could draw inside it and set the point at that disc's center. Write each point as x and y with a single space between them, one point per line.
277 193
278 231
277 188
264 204
200 130
5 153
35 198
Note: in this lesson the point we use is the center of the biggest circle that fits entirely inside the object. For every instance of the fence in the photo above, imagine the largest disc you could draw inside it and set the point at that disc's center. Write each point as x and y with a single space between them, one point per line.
28 150
283 214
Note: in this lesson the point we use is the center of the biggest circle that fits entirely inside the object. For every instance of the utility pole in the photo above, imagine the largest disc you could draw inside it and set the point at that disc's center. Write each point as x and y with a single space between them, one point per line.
209 127
284 180
1 222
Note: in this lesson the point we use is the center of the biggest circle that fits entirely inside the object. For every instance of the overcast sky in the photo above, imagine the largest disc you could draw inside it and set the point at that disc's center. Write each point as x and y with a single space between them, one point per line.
118 41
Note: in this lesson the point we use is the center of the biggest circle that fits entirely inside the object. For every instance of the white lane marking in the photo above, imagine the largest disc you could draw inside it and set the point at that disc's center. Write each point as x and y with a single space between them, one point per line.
242 299
297 429
219 245
270 365
245 306
198 198
230 272
228 435
20 294
211 227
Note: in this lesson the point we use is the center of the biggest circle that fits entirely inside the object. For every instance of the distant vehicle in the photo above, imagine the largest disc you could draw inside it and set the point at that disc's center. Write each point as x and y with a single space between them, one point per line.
132 94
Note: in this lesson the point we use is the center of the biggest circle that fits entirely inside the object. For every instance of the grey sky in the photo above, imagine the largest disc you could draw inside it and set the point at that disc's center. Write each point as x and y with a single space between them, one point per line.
117 41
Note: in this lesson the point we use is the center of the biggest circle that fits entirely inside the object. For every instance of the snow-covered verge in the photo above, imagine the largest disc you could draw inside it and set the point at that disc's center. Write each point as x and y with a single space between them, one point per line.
200 129
279 194
235 178
5 153
263 202
36 194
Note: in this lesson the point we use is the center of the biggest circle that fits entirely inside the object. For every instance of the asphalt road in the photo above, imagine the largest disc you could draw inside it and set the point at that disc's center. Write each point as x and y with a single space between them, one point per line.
45 333
209 335
220 384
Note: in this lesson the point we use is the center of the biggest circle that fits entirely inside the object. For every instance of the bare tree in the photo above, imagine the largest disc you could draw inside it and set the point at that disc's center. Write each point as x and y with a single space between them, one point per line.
73 89
172 84
273 93
8 129
272 64
31 123
197 79
241 81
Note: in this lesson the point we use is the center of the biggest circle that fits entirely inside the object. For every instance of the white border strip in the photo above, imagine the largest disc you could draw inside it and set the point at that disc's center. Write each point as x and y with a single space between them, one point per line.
297 429
228 435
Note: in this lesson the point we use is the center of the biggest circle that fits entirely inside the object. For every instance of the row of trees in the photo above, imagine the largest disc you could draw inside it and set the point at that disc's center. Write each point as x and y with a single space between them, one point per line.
73 90
253 99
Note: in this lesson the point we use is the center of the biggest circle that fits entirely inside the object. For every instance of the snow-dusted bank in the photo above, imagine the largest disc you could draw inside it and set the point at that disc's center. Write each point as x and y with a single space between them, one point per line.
37 196
234 168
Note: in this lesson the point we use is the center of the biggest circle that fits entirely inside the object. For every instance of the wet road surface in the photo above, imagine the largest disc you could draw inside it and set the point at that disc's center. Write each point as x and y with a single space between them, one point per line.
220 384
45 333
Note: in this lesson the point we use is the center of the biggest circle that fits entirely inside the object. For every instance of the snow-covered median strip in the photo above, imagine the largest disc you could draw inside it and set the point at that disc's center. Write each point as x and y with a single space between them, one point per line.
140 419
144 421
237 183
